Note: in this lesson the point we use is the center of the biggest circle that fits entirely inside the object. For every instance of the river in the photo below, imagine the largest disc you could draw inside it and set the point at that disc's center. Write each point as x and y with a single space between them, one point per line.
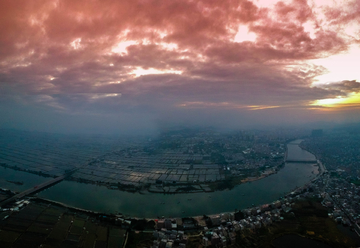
295 153
99 198
28 180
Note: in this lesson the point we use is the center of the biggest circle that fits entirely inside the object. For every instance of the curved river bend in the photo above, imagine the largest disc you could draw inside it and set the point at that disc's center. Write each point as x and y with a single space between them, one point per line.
269 189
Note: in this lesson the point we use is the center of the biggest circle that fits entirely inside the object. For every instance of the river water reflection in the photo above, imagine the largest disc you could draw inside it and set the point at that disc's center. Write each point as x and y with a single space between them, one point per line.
295 153
99 198
28 180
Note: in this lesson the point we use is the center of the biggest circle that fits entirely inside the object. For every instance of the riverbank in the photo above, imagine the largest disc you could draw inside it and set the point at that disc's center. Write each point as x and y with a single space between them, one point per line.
72 227
96 198
264 175
258 192
167 188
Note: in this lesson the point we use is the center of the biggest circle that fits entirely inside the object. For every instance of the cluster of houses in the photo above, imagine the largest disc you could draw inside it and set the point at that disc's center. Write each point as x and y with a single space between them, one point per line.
340 196
216 230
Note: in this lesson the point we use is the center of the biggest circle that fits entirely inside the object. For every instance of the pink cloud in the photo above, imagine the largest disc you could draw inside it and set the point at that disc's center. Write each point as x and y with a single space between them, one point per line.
62 54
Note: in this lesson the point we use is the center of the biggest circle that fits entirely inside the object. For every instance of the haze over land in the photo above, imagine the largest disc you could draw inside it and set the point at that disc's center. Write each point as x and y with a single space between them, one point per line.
124 66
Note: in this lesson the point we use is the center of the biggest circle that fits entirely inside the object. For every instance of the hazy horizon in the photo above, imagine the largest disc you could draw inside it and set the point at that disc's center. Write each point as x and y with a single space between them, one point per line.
141 66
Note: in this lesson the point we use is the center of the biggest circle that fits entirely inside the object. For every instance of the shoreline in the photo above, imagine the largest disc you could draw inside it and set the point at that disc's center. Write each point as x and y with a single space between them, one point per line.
141 190
129 217
251 179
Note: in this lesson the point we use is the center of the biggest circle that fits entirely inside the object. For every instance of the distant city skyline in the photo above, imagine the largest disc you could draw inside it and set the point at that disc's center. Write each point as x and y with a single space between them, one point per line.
136 66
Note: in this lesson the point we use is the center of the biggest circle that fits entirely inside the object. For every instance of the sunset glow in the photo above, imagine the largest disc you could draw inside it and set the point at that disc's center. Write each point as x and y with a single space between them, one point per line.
353 100
246 60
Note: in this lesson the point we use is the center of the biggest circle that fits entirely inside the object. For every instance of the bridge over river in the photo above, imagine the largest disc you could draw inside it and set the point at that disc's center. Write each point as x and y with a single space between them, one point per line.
37 188
296 155
311 161
148 205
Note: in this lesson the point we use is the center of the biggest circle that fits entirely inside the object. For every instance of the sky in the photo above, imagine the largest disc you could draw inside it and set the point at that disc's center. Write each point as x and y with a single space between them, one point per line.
134 66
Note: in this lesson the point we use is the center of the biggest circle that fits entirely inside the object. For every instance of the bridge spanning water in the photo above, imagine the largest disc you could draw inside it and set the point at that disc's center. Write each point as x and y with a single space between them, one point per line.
301 161
296 155
147 205
37 188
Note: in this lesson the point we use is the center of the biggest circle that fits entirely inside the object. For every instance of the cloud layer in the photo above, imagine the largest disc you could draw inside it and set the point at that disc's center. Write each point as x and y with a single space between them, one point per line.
137 63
